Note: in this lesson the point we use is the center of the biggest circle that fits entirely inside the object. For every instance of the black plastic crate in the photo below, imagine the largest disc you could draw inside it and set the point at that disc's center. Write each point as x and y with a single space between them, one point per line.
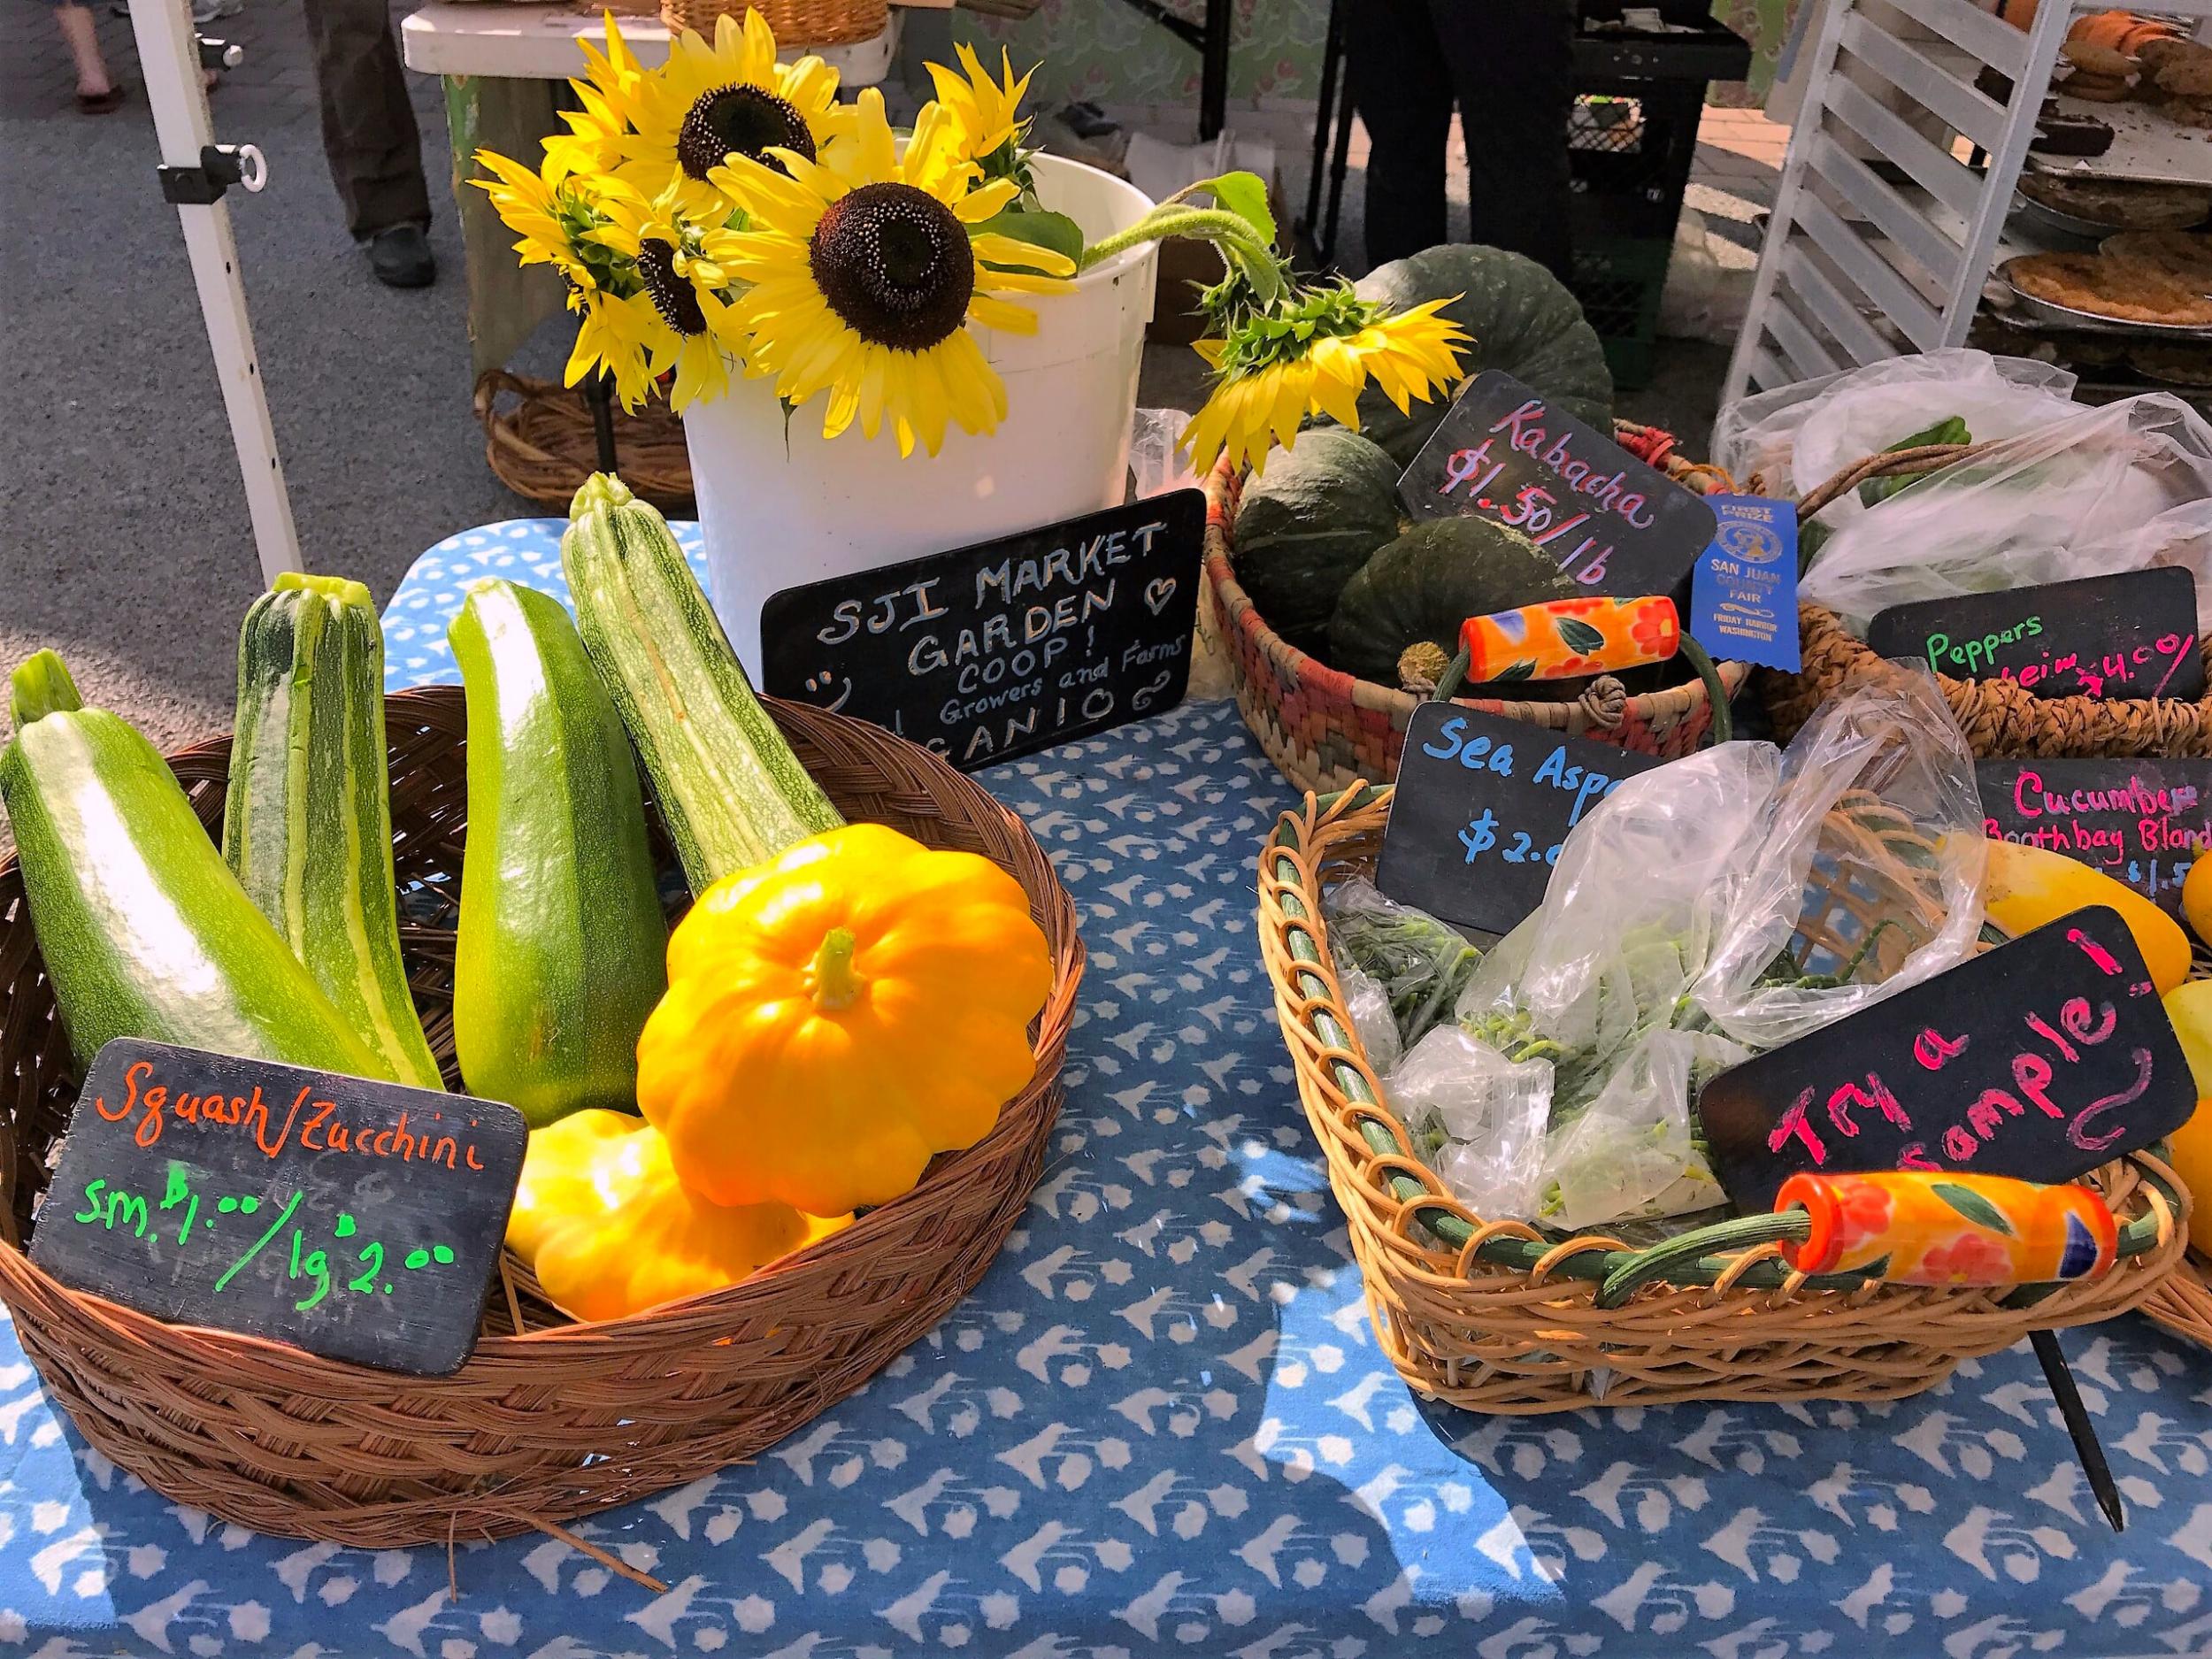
1630 146
1618 281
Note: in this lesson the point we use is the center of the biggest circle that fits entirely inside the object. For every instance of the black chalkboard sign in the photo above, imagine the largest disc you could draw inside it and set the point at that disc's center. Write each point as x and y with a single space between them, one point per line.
1481 808
2143 822
1006 647
2040 1059
361 1220
1616 525
2132 634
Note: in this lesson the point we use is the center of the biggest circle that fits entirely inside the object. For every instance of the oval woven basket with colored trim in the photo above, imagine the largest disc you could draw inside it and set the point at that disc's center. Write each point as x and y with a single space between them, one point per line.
1495 1317
548 1419
797 24
1325 730
2002 719
2183 1305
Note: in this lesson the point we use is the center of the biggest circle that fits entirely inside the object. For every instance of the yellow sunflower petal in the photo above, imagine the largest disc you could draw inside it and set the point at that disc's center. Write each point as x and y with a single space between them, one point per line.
1001 249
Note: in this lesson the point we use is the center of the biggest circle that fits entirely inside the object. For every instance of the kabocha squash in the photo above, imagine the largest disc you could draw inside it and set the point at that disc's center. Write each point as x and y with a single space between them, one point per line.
837 1016
729 788
144 930
1430 581
601 1219
2026 887
1306 526
560 956
307 821
1518 318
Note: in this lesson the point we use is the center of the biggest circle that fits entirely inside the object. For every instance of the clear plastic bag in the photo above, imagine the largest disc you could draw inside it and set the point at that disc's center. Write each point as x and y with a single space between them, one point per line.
1659 953
1477 1118
1801 436
1368 1006
1420 962
2075 497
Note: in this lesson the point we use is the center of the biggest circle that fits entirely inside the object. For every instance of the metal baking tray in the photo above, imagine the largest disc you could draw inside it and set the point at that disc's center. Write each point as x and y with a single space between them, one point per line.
2094 322
2049 219
2147 147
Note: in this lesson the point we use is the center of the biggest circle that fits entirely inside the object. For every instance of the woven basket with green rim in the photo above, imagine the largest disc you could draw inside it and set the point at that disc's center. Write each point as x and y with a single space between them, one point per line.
1496 1317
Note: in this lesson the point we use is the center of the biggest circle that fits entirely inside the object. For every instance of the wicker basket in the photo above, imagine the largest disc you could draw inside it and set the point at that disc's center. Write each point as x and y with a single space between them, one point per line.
2002 719
2183 1305
542 445
1493 1316
1325 730
797 23
550 1419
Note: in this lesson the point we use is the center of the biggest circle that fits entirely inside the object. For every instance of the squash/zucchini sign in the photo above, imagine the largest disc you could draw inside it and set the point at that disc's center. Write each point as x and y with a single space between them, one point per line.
1610 524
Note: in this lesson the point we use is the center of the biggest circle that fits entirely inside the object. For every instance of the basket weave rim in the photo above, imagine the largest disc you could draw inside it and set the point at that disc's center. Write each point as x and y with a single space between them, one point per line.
651 1330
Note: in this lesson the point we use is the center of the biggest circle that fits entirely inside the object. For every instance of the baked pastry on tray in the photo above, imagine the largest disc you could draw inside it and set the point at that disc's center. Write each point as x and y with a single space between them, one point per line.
2121 289
2185 256
2123 203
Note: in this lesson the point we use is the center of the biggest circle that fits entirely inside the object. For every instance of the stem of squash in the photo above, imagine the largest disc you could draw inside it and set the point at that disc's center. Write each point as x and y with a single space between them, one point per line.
831 981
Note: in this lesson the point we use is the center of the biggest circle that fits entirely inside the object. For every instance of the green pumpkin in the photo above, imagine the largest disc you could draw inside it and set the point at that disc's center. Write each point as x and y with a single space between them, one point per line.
1519 317
1306 526
1428 581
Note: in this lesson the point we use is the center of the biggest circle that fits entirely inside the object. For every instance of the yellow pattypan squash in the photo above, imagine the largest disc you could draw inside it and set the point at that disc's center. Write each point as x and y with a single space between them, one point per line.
837 1016
602 1219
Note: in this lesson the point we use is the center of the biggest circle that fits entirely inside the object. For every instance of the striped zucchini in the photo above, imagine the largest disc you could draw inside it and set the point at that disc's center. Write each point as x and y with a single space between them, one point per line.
563 949
307 825
730 790
144 930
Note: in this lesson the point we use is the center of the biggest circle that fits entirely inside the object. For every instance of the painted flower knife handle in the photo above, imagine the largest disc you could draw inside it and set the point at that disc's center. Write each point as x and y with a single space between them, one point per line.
1908 1227
1566 639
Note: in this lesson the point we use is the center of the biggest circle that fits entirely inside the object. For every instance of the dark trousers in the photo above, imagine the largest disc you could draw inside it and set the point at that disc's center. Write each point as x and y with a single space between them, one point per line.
1509 65
368 125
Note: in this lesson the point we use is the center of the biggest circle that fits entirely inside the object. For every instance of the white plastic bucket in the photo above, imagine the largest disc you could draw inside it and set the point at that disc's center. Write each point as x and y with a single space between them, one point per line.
781 506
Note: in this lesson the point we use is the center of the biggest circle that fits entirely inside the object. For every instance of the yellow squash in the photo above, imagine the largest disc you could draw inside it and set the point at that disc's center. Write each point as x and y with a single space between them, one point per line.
2190 1009
837 1016
602 1221
2027 886
2196 898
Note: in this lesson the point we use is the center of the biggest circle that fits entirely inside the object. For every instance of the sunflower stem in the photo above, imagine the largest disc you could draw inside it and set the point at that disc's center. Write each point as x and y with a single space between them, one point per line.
1231 232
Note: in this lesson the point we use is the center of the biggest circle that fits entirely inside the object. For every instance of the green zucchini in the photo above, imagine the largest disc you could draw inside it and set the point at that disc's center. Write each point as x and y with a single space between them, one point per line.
144 930
730 790
563 948
307 825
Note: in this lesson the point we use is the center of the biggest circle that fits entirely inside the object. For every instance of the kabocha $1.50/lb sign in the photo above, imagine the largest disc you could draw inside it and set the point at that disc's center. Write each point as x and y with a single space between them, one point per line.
2140 821
1012 645
360 1220
1613 523
2040 1059
1481 809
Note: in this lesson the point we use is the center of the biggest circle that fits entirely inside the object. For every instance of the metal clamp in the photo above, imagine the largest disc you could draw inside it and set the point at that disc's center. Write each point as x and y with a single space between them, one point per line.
221 165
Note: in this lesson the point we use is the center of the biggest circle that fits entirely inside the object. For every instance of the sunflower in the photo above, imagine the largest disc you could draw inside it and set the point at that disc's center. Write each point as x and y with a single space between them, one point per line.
551 209
1312 353
986 112
623 334
592 144
707 102
864 276
680 268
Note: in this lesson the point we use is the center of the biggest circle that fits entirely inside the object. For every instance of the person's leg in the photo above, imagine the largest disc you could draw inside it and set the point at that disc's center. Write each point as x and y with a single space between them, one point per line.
1397 83
93 81
1511 63
368 125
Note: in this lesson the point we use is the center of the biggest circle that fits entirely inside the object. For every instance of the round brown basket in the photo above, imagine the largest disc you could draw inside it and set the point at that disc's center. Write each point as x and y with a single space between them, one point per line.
1495 1317
2002 719
540 442
1325 730
550 1419
798 24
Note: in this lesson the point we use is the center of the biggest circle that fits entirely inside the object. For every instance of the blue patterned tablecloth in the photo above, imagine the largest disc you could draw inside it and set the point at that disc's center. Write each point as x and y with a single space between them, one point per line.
1161 1424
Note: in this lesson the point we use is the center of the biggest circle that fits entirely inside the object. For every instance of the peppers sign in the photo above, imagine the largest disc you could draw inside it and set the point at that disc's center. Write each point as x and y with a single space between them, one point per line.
360 1220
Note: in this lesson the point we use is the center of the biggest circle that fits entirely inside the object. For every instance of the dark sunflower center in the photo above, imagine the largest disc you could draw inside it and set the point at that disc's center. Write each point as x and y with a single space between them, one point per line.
894 263
747 120
672 298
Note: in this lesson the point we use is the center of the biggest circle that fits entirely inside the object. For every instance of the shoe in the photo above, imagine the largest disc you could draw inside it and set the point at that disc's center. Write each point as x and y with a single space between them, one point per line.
102 102
400 255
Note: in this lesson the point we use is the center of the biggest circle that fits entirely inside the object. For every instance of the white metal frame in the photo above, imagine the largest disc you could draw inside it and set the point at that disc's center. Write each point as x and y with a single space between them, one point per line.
1856 268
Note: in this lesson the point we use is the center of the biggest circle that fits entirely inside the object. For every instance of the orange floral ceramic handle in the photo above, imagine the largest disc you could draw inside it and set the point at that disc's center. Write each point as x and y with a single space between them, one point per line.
1912 1228
1568 637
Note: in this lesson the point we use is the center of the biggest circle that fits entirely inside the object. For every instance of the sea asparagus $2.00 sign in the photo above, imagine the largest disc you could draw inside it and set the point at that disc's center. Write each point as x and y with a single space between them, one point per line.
1009 646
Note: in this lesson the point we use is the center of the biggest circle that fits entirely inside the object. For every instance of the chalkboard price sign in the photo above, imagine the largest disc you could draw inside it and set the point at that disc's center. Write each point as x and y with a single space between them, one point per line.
1481 809
2131 634
1006 647
2143 822
1616 525
360 1220
2041 1060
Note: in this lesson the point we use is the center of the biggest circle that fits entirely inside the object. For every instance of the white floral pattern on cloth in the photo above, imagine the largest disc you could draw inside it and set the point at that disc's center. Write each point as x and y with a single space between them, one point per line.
1161 1424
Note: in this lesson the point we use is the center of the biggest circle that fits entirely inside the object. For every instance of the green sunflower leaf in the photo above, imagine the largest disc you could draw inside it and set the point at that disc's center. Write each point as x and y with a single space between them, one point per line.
1055 231
1972 1205
1584 639
1245 194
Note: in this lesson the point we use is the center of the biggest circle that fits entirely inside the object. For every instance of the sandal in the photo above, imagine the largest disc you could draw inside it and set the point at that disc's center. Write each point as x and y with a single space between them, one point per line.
100 102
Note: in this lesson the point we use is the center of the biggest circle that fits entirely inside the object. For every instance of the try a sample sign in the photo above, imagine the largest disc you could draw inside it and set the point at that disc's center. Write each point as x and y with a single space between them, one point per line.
2143 822
2133 635
358 1220
1007 647
1616 525
1481 809
2040 1059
